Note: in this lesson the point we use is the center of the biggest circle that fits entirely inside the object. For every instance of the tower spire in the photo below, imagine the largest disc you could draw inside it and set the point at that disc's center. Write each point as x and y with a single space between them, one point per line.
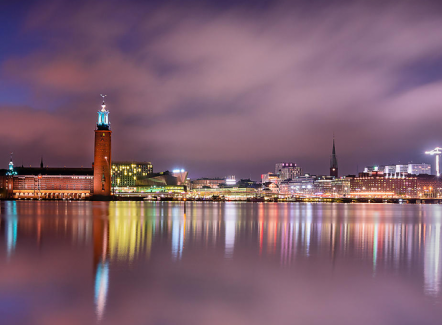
103 116
11 170
333 160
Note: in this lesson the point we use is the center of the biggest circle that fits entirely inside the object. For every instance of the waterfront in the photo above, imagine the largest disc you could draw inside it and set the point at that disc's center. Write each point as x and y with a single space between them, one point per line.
219 263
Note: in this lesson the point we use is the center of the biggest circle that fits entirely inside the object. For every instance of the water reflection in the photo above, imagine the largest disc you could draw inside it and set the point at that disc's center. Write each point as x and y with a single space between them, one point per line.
101 257
11 222
404 239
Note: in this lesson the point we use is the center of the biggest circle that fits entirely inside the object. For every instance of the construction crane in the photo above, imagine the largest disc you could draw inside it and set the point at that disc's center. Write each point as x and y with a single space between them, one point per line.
437 152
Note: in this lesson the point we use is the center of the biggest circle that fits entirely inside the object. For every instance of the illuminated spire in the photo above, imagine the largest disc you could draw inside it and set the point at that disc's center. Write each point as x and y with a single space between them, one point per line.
11 163
11 170
103 117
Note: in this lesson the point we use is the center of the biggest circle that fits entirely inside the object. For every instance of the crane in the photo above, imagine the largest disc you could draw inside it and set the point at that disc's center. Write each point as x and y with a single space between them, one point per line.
437 152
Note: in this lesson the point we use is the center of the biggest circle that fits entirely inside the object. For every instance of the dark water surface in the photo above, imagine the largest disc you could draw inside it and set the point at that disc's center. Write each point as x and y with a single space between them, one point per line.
219 263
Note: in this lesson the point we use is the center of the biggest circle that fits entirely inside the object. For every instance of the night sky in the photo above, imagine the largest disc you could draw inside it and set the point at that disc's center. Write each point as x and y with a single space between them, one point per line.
222 87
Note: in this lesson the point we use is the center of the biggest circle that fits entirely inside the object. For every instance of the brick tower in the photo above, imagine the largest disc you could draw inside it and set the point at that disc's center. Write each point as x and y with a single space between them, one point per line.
102 155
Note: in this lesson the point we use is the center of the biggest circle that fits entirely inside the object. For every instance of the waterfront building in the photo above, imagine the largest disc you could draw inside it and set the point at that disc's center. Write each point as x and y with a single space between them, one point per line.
225 193
126 173
380 185
334 161
287 170
331 186
301 185
207 183
181 176
102 154
311 185
46 183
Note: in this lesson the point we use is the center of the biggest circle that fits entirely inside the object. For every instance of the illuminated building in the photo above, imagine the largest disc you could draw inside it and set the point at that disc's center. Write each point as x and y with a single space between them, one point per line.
181 176
228 193
419 169
287 170
47 183
401 170
269 178
126 173
391 170
301 185
370 169
330 186
164 183
207 183
102 155
379 184
334 162
64 183
316 185
230 180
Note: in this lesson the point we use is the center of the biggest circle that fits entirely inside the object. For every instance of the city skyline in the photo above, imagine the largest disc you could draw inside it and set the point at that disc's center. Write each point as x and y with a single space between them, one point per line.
222 89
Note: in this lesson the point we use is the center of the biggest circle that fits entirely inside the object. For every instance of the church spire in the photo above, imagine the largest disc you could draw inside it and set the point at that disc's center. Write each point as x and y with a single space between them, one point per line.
11 170
333 161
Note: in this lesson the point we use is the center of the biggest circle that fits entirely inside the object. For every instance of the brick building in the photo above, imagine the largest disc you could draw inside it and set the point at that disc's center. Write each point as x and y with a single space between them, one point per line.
47 183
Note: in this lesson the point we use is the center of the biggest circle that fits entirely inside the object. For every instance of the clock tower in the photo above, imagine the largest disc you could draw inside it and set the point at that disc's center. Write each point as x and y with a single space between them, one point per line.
102 154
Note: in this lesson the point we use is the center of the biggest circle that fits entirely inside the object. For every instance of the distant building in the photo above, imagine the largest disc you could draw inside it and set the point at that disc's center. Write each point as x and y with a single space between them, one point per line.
248 183
370 169
379 184
301 185
207 183
126 173
231 180
316 185
419 169
331 186
287 170
181 176
400 170
390 170
270 178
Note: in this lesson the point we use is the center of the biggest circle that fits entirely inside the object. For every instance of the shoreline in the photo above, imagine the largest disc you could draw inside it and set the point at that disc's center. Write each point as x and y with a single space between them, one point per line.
275 200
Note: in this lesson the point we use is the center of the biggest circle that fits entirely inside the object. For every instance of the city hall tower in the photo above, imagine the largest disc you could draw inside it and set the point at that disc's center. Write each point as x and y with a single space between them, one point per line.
102 154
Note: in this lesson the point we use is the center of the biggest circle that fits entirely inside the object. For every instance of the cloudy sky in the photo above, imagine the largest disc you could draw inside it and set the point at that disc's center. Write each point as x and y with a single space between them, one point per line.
222 87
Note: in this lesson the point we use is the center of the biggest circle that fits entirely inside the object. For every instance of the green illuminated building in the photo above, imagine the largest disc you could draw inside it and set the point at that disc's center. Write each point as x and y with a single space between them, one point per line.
126 173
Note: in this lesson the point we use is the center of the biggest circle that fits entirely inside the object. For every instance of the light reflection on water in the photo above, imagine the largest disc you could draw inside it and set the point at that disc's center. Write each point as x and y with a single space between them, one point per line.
397 239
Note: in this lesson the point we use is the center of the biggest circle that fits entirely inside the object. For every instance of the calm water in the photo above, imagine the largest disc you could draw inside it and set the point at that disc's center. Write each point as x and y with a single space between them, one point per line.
219 263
